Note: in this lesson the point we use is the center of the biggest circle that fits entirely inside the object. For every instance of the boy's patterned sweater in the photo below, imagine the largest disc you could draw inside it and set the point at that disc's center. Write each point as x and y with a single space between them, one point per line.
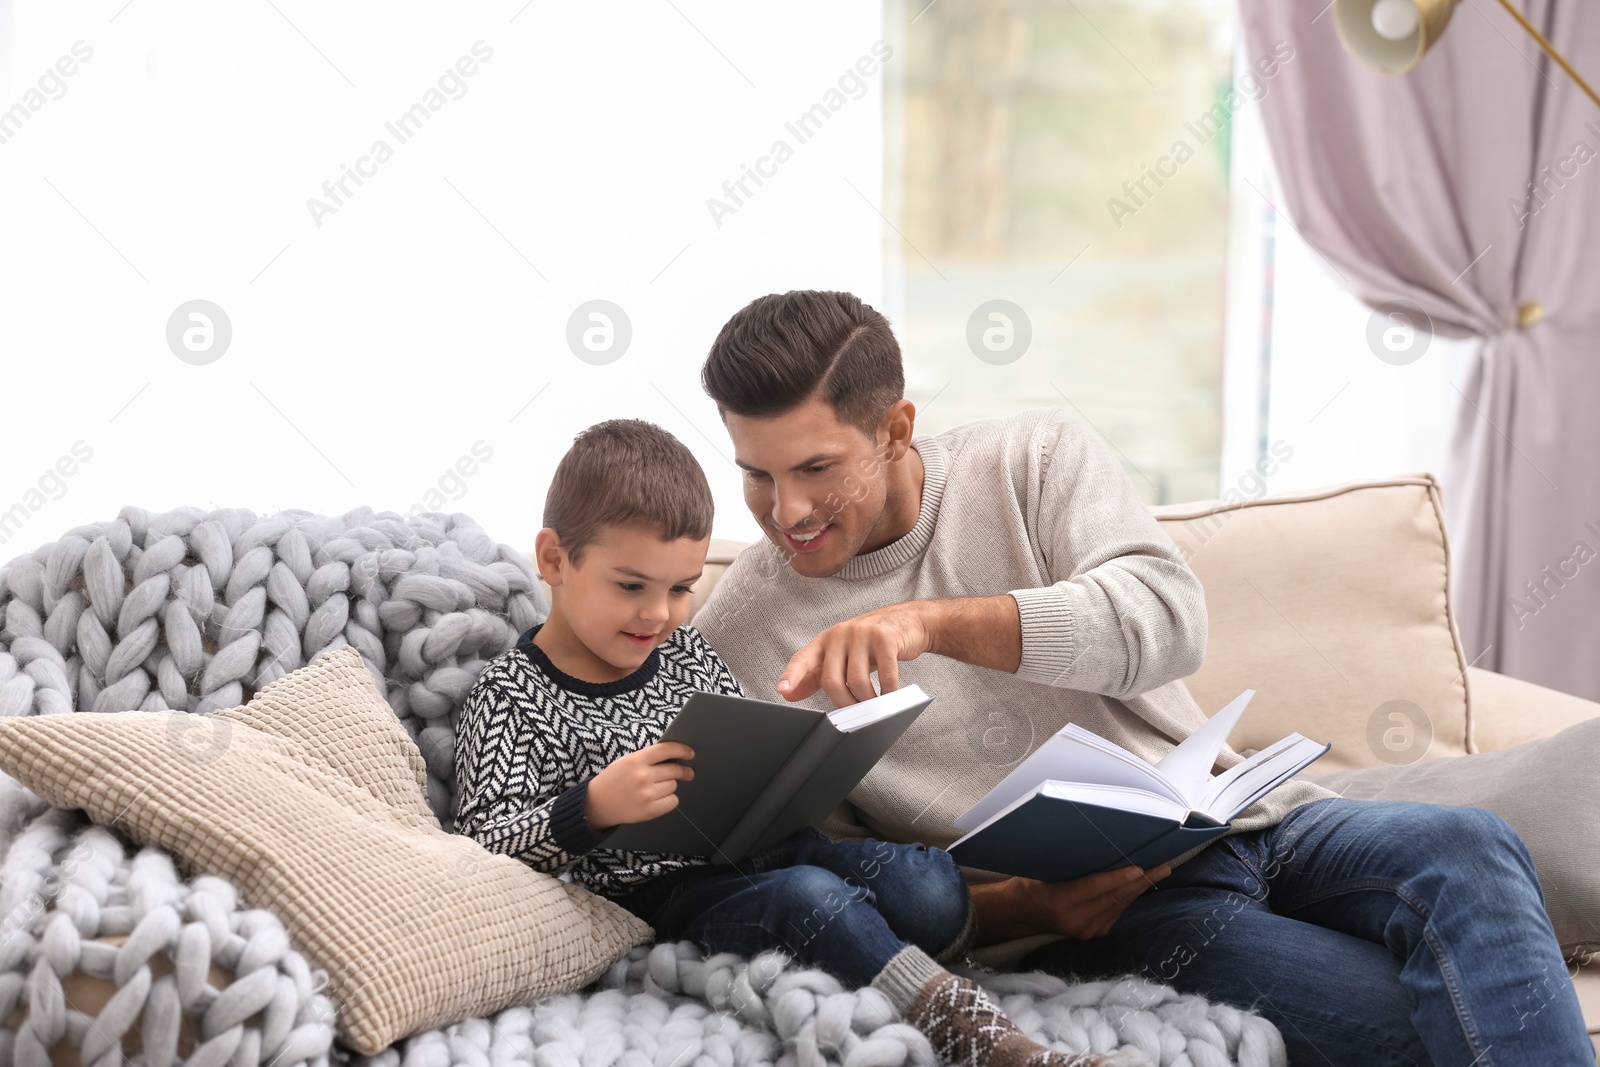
530 737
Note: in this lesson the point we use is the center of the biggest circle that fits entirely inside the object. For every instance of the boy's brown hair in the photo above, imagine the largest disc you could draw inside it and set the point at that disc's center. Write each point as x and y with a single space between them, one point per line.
627 472
779 350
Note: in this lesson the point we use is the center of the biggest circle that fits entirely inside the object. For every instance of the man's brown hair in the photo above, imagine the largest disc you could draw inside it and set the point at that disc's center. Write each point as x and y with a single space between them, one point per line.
779 350
627 472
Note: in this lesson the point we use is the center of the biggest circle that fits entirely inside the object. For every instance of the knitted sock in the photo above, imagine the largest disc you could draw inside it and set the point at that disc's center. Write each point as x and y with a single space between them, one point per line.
966 1027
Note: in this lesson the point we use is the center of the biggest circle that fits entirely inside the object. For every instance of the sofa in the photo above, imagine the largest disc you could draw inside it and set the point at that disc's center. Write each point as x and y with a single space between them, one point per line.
1334 605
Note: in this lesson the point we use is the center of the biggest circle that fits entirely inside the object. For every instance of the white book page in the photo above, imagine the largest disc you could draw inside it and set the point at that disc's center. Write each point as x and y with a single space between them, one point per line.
1021 782
1222 781
854 716
1276 764
1122 767
1000 813
1116 796
1071 755
1188 767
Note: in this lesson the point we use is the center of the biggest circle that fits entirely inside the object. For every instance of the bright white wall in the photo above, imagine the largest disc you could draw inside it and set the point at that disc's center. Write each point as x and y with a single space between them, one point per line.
429 312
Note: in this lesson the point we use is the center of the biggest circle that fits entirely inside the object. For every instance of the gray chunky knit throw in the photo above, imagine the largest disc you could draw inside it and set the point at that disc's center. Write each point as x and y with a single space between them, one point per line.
668 1004
197 610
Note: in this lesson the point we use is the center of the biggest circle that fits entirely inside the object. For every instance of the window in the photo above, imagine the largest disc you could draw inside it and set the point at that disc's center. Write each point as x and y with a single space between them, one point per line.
1056 177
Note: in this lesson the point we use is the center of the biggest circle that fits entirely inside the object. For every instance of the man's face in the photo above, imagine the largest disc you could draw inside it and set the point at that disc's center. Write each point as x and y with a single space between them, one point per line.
806 472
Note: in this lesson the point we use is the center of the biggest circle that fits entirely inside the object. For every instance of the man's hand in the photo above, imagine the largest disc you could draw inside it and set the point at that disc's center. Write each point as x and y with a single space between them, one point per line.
840 660
1088 906
1083 907
984 631
639 786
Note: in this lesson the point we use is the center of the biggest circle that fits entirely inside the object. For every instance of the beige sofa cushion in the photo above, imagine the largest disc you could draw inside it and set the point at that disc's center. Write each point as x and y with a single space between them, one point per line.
310 800
1333 605
719 554
1507 711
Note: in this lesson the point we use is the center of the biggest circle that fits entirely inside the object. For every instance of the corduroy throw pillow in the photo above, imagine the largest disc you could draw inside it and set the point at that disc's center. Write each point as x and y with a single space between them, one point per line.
310 799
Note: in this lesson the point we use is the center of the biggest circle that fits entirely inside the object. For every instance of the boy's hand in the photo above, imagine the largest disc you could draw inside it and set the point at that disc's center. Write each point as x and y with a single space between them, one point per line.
638 786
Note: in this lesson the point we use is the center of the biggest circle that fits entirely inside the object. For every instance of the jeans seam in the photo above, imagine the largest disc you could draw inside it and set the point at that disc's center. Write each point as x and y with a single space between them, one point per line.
1447 967
773 939
1399 889
1249 862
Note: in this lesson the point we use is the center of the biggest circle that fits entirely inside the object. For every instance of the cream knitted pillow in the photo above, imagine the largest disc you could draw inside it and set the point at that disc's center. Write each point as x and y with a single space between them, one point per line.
310 799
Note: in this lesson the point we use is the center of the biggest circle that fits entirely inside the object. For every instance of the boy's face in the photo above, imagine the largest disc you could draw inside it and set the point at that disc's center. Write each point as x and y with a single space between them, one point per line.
806 471
630 583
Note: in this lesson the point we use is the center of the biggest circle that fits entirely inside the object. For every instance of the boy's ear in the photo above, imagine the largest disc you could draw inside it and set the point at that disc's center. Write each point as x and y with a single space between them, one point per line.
548 555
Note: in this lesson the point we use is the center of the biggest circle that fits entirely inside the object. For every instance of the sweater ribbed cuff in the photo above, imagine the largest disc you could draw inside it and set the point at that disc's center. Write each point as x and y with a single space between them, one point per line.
905 975
1049 638
570 826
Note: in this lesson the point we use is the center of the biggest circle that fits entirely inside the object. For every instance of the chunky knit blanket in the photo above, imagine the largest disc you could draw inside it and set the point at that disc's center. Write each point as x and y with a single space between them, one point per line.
668 1004
196 610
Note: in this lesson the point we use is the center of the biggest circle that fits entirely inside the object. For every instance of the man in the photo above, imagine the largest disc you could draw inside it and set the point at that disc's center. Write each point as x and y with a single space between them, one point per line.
1009 568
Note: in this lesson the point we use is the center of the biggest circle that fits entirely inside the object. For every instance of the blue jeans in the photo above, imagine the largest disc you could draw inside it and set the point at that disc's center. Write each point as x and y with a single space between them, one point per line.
1369 932
846 907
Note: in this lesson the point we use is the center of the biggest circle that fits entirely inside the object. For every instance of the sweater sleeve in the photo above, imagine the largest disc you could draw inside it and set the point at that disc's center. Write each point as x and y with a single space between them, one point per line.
1124 613
501 802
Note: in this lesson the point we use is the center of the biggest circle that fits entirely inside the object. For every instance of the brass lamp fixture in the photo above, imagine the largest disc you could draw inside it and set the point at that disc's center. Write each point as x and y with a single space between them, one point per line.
1390 35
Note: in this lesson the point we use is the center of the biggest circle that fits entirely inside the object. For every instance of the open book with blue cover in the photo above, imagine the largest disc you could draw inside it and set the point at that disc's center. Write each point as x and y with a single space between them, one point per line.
1080 804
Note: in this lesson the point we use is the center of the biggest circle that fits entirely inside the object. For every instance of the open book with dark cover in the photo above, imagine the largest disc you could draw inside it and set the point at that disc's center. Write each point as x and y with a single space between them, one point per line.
1080 804
763 770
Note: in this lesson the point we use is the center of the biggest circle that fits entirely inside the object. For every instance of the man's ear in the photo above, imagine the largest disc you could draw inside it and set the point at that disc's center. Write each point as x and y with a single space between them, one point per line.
897 425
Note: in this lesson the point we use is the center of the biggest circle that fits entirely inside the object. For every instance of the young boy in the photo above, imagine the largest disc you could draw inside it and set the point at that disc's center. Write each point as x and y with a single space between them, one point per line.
559 743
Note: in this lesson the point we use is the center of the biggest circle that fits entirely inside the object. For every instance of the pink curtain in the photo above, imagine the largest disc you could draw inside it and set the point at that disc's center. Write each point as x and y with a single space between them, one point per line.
1470 188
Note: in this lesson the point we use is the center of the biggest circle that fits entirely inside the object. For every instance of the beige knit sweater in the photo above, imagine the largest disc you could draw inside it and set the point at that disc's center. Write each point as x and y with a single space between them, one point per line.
1034 504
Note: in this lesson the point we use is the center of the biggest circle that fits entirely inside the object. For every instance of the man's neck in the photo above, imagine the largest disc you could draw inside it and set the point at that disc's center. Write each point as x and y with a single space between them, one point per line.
899 520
